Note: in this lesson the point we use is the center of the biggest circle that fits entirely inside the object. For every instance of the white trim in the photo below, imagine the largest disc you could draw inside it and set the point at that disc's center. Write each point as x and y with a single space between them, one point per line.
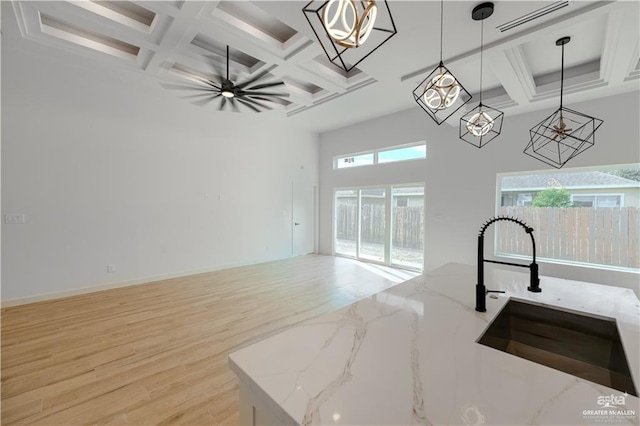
571 169
147 280
568 187
542 260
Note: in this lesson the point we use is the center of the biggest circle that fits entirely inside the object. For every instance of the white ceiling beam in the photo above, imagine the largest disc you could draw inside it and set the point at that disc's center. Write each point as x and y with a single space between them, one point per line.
177 37
512 70
618 48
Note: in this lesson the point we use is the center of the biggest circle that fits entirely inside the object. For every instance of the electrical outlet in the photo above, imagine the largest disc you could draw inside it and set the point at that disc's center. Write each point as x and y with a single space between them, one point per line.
111 268
14 219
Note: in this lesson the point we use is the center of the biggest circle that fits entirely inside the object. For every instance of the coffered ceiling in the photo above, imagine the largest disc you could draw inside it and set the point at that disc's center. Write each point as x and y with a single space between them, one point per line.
170 41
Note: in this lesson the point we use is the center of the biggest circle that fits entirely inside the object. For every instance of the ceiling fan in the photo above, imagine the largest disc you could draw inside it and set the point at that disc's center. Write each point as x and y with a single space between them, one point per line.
248 93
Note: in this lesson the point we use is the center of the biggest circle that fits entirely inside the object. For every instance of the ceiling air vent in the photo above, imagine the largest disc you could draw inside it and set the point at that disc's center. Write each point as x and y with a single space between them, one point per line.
533 15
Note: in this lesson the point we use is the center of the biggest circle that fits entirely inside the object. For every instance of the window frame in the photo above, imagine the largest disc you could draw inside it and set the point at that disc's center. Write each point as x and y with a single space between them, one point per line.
336 160
375 152
601 195
388 218
498 205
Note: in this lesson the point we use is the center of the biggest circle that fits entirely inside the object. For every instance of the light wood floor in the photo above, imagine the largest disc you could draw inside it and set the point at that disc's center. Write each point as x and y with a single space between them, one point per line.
157 353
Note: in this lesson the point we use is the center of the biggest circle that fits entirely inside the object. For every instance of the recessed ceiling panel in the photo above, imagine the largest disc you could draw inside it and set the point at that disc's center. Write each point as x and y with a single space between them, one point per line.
303 85
569 73
74 34
587 37
219 48
258 19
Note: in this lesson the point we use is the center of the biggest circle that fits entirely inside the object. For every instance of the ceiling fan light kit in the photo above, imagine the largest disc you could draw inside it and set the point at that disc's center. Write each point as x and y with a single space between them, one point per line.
440 94
564 134
349 30
482 124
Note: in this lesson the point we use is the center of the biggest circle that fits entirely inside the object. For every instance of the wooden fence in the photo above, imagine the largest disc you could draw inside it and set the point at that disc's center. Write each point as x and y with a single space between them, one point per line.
604 236
407 224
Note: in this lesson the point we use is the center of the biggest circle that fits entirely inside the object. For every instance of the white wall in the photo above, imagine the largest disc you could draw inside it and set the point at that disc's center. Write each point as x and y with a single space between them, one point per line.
461 179
110 168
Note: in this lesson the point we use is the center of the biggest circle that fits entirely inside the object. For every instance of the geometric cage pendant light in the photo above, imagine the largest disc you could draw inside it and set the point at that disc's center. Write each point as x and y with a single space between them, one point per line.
565 133
482 124
440 94
350 30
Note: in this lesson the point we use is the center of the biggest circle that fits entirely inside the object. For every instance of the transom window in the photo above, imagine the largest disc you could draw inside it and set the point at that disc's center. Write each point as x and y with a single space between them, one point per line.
414 151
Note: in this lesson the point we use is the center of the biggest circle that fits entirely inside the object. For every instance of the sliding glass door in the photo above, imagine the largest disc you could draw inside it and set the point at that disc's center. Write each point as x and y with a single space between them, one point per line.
372 224
381 224
407 239
346 223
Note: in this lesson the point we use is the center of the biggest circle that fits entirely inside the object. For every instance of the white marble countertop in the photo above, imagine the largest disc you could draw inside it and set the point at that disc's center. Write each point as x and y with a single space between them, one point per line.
408 355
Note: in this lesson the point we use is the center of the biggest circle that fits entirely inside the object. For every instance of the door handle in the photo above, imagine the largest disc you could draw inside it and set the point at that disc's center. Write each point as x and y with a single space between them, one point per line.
296 223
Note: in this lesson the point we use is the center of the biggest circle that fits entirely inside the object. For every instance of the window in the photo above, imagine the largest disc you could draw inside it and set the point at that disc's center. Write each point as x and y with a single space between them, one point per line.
597 200
354 161
588 216
402 154
381 224
415 151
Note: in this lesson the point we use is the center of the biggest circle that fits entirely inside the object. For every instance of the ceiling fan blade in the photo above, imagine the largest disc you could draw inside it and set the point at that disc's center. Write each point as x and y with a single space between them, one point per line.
203 102
212 84
255 78
273 99
199 95
222 104
215 65
244 102
255 102
249 93
234 106
173 86
262 86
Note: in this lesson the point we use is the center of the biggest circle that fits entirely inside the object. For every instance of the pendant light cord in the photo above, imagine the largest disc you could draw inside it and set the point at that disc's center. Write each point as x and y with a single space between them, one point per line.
441 25
481 46
562 77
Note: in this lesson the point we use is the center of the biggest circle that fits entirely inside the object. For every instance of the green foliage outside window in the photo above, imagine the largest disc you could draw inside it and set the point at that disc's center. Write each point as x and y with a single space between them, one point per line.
553 197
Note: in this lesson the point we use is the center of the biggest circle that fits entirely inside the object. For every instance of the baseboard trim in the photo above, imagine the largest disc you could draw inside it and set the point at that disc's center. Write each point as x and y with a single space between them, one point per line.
102 287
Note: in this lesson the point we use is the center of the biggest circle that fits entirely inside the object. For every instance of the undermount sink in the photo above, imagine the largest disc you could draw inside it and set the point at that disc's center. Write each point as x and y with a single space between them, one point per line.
583 346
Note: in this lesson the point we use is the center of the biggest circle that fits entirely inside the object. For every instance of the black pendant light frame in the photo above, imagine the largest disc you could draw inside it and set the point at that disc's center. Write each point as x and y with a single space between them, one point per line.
439 115
565 133
480 13
344 57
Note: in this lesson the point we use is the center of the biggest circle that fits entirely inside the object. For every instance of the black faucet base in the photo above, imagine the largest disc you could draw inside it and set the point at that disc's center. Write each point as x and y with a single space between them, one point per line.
481 290
534 289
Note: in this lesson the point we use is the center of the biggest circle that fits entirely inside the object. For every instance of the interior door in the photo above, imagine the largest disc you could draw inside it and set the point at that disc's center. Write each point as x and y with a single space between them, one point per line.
302 226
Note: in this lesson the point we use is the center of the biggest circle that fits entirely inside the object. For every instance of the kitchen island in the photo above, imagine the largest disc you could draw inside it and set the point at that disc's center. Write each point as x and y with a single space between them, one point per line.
409 355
